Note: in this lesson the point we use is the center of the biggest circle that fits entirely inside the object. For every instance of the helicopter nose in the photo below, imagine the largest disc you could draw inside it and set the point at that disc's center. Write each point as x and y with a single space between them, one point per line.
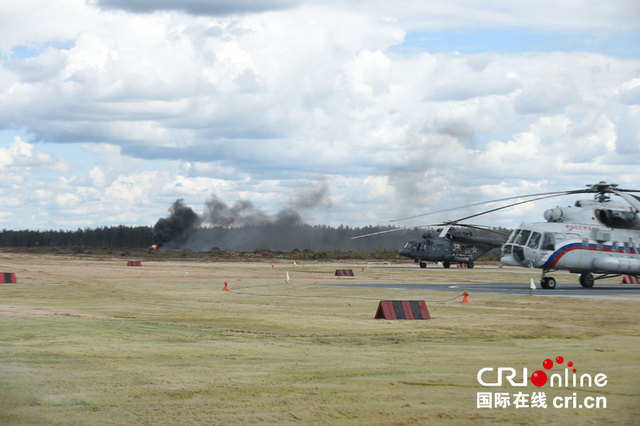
508 260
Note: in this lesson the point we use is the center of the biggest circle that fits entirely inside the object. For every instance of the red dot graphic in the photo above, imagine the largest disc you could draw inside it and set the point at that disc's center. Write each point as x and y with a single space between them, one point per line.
570 364
575 371
539 378
559 360
547 364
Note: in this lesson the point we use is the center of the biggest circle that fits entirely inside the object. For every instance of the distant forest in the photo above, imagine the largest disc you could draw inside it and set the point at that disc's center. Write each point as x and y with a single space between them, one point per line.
106 237
244 238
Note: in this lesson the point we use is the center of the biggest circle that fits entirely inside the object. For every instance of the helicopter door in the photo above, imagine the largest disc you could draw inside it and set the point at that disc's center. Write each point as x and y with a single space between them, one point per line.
531 251
428 249
519 243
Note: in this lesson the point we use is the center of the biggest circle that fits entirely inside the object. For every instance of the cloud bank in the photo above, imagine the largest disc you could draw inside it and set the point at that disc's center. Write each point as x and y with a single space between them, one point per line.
110 110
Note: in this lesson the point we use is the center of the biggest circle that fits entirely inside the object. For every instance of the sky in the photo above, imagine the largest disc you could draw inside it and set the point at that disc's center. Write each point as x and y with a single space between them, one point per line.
110 110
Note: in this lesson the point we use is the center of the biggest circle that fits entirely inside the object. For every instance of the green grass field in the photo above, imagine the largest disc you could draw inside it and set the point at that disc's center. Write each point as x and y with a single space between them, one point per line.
91 341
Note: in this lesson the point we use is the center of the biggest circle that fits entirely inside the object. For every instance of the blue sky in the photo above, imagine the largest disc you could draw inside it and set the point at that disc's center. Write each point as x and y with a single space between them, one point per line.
111 110
36 49
514 40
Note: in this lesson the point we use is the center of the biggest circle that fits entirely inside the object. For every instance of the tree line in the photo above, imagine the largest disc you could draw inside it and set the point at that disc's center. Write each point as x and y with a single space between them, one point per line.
245 238
105 237
302 240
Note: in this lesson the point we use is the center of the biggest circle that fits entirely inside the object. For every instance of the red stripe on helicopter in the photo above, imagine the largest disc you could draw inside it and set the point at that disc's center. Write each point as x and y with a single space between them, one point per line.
555 257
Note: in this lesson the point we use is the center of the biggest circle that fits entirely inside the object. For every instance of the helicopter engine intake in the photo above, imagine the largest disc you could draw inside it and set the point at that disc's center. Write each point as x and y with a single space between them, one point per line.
618 219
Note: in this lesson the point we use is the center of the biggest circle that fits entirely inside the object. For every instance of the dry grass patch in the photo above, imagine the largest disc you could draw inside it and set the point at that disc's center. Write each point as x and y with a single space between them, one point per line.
93 341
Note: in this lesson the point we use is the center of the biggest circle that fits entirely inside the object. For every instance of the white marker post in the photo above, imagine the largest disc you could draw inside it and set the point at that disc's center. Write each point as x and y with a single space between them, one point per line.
532 286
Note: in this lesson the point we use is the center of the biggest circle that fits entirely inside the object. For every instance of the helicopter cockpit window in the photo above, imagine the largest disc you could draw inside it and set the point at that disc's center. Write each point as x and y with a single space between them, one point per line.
548 242
513 236
523 236
534 241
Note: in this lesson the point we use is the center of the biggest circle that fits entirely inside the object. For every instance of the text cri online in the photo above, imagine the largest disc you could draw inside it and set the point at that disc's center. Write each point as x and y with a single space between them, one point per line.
538 400
507 376
574 401
565 380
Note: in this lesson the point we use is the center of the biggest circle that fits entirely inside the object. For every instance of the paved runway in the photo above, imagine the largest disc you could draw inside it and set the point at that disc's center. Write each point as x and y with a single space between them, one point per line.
609 291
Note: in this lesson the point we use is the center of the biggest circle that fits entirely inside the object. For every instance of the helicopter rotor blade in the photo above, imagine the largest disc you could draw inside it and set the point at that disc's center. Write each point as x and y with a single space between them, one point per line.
598 188
629 198
378 233
408 231
444 231
455 222
549 194
506 231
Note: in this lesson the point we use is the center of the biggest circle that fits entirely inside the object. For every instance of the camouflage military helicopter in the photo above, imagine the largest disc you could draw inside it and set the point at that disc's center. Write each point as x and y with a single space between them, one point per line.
596 236
453 245
448 244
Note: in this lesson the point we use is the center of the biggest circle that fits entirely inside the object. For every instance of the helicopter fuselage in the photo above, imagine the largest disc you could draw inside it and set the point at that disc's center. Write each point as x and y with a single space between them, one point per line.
578 248
456 247
596 236
428 250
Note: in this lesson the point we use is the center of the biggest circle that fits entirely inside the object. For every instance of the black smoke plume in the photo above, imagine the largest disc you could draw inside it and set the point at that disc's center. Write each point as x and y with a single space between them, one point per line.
217 213
243 227
178 227
243 213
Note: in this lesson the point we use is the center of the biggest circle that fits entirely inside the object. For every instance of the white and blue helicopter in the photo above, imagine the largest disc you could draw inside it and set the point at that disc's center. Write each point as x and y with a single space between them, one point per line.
596 238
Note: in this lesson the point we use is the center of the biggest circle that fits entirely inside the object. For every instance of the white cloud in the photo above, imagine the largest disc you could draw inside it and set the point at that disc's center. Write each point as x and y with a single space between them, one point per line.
575 15
630 92
56 22
193 101
198 7
19 160
67 200
97 177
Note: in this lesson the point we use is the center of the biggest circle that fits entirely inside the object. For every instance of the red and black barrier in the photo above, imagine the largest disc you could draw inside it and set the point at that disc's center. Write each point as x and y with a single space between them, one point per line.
134 263
630 279
8 278
402 309
344 273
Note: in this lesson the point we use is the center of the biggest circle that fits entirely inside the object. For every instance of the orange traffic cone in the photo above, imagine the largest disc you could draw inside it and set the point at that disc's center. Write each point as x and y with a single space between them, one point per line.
465 299
363 269
226 287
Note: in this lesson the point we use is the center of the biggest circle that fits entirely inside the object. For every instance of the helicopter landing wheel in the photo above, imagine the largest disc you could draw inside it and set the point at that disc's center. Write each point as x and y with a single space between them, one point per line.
548 283
470 264
423 265
586 280
446 265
